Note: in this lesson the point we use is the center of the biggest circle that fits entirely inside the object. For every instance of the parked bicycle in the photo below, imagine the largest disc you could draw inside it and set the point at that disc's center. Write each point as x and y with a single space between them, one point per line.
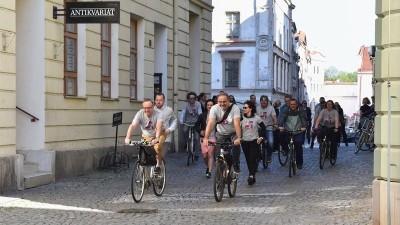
224 174
325 147
364 138
143 175
191 157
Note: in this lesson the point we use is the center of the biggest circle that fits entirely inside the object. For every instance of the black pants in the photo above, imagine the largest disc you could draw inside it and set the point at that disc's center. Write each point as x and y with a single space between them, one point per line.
298 141
251 152
343 131
235 149
308 132
276 140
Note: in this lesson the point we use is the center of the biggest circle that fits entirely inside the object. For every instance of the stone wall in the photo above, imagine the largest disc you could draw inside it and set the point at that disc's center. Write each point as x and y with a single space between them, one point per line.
7 174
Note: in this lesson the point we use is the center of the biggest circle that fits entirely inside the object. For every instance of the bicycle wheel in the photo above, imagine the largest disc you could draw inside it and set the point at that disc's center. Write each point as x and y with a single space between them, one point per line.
264 155
294 165
159 181
232 183
361 142
283 158
190 151
137 182
322 154
357 137
219 184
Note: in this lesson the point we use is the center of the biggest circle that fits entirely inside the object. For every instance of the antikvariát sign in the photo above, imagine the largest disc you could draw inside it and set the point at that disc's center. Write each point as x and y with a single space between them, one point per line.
92 12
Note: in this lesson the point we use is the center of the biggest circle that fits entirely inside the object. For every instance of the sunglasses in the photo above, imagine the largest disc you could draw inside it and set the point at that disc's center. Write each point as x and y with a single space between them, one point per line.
244 107
192 98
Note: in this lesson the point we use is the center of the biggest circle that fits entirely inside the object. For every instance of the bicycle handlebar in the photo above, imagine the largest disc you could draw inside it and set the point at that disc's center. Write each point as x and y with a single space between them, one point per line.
189 125
142 142
222 143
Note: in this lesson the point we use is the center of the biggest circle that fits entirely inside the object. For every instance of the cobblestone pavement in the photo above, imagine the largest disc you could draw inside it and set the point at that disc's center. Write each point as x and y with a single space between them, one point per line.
339 194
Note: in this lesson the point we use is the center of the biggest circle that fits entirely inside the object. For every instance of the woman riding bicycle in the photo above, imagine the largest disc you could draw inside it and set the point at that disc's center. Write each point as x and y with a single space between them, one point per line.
200 127
329 119
251 138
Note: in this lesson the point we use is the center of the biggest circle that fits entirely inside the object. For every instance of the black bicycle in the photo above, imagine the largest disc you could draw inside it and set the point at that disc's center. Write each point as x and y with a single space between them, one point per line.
325 147
143 175
191 157
224 174
364 138
263 146
291 154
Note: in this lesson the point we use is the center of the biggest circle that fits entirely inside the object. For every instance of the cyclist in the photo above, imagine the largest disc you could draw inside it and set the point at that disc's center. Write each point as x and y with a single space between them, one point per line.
200 127
227 118
329 119
294 119
189 114
364 111
251 138
151 124
169 119
268 115
283 108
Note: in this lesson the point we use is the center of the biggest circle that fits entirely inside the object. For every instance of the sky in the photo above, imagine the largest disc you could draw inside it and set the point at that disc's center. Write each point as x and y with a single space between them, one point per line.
337 29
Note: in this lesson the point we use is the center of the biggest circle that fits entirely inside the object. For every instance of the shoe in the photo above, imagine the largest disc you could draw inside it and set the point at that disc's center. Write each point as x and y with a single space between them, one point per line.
157 171
299 167
236 168
208 175
251 180
269 159
207 170
347 144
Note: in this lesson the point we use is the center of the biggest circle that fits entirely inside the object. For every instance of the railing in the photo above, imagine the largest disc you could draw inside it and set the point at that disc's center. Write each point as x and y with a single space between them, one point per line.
33 119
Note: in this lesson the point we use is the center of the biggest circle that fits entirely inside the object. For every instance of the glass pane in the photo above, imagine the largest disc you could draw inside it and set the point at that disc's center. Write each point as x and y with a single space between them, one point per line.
105 61
106 89
70 86
133 67
70 49
236 18
133 92
105 32
235 31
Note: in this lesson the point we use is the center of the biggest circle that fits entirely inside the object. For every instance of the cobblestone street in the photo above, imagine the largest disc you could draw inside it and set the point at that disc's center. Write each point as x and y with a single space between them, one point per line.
339 194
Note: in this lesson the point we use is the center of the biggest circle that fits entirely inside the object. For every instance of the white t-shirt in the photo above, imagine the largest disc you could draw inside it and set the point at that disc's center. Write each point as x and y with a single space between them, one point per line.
226 127
148 125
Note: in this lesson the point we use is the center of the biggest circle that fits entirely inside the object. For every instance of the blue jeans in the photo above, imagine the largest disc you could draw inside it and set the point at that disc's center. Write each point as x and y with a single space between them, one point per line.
269 135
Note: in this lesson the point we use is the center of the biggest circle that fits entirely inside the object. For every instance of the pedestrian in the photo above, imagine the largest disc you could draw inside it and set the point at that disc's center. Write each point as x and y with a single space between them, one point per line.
308 113
251 138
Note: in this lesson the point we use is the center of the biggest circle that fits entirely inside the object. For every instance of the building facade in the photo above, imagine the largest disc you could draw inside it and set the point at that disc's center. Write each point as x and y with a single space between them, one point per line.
252 51
60 84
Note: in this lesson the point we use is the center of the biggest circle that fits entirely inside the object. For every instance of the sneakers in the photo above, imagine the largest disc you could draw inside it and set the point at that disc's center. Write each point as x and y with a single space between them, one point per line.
208 174
236 168
269 159
251 180
157 171
299 167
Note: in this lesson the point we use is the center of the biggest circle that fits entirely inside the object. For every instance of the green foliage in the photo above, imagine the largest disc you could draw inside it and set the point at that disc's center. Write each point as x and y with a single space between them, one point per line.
333 74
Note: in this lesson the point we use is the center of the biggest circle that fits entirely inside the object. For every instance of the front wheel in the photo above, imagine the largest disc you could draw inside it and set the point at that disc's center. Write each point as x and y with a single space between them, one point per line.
137 182
291 160
159 181
333 156
190 152
264 155
219 184
232 183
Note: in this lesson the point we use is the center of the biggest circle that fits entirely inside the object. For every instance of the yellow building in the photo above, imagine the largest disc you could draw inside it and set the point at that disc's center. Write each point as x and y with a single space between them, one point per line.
387 123
60 84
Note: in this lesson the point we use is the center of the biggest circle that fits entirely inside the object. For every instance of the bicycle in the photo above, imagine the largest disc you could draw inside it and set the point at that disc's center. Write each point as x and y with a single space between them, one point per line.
325 149
291 154
190 145
143 171
224 174
263 150
282 155
364 138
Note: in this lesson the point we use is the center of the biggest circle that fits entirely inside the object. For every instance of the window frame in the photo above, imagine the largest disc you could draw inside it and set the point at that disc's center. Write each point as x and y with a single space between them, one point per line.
133 52
232 23
105 44
231 55
71 74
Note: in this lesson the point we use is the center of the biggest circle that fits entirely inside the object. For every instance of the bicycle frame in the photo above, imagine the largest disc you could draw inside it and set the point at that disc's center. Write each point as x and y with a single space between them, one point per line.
190 144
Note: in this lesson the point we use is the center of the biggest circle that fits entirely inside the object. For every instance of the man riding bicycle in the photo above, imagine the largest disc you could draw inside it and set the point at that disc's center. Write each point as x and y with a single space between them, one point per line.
189 114
295 120
150 121
227 117
268 115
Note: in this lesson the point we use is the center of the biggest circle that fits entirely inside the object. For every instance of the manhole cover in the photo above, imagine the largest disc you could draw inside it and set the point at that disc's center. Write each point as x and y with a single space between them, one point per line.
137 210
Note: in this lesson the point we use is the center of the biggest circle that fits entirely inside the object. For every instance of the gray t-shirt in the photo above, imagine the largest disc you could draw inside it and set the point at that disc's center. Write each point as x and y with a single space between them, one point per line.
147 125
169 120
250 127
266 115
226 127
328 118
190 113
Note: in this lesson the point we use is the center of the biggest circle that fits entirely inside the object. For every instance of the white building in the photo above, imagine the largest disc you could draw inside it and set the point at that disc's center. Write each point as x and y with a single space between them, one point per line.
252 51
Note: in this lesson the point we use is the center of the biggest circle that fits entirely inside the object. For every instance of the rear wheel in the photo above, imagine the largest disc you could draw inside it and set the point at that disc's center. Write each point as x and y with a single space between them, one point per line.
361 144
137 182
290 156
190 152
282 156
264 155
322 154
219 182
232 183
159 181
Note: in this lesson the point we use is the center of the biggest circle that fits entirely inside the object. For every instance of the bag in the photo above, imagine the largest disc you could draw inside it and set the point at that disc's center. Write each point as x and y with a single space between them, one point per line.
225 114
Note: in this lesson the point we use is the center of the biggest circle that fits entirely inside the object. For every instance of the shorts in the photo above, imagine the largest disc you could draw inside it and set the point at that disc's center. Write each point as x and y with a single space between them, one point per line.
159 146
205 149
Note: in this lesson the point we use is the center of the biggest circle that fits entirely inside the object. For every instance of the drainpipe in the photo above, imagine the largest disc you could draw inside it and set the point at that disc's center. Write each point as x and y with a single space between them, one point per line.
175 69
257 28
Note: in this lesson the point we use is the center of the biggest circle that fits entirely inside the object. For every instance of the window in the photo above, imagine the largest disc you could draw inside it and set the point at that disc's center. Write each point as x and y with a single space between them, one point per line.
231 73
70 62
133 61
105 60
232 24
